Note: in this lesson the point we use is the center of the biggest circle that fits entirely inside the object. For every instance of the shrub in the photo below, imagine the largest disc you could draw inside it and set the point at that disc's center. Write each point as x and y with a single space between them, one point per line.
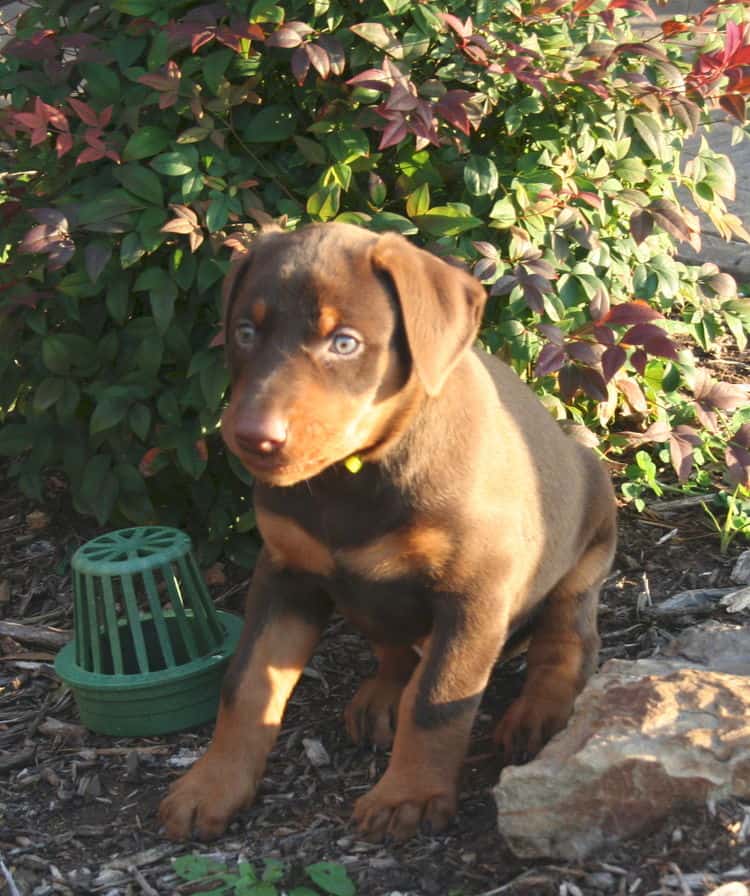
540 142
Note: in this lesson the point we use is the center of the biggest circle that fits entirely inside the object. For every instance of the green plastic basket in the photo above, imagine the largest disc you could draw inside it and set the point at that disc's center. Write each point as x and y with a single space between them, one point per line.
149 648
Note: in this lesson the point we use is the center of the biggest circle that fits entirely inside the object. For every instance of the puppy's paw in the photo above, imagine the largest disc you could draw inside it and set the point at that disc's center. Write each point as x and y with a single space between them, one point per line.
402 810
527 725
202 802
371 715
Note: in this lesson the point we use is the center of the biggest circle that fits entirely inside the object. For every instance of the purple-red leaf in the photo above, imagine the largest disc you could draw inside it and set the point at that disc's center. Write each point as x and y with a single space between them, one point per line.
629 313
612 360
592 383
641 225
551 358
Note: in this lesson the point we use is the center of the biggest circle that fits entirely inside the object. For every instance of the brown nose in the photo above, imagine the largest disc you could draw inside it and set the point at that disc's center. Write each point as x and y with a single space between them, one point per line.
262 434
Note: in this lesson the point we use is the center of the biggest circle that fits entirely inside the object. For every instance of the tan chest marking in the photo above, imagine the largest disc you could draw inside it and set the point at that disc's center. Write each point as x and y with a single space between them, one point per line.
406 551
290 546
416 548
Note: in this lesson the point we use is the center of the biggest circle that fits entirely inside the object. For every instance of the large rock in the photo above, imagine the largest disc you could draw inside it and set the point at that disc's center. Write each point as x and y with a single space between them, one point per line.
647 737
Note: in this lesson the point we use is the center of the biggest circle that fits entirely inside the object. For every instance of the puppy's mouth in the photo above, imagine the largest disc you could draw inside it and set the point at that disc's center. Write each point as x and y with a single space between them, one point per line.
278 470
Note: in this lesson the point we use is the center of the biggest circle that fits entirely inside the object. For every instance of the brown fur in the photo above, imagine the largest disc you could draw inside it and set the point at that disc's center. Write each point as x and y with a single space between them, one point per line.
474 521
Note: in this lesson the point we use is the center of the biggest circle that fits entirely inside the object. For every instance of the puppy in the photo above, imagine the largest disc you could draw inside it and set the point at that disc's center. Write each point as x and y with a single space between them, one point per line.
472 517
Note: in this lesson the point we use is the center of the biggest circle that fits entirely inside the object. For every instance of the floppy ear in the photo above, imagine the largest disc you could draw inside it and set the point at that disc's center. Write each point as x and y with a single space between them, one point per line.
441 306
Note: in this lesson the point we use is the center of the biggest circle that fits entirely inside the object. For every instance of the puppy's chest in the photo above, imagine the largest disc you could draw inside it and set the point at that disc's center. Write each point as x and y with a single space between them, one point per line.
380 579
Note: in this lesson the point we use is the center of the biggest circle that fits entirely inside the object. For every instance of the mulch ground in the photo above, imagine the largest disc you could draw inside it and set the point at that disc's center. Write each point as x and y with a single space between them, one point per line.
78 811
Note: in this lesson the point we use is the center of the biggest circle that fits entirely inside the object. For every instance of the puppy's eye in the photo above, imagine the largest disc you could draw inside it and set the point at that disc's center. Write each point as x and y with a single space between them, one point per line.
344 342
244 334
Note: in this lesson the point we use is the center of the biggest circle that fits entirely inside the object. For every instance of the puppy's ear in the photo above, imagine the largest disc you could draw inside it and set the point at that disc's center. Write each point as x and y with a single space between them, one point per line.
241 262
441 306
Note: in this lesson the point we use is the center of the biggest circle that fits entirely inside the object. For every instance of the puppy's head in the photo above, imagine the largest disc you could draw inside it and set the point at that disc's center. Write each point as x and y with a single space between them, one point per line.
333 336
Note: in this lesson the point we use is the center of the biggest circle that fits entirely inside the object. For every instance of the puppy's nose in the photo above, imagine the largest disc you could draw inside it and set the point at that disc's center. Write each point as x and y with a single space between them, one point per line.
264 434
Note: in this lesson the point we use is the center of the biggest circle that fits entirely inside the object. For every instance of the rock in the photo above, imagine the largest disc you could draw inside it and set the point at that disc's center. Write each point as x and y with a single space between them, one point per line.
647 738
741 569
695 602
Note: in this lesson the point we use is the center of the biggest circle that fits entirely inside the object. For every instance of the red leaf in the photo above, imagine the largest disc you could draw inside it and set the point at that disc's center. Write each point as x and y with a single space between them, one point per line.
451 107
592 383
300 65
284 37
63 144
461 29
90 154
734 104
146 466
659 431
672 26
633 394
84 112
603 335
589 198
641 225
641 333
738 464
681 455
570 381
335 53
639 359
634 312
585 352
393 133
551 358
612 360
554 334
599 304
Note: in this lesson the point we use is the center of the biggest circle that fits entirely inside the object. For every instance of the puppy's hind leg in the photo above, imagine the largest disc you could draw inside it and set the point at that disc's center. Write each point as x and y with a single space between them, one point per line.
561 657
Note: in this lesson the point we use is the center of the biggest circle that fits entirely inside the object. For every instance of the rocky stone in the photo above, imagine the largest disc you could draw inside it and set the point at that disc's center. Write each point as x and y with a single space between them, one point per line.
647 737
741 569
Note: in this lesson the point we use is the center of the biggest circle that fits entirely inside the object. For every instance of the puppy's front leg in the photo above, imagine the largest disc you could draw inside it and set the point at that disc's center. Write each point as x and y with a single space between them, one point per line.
435 716
284 619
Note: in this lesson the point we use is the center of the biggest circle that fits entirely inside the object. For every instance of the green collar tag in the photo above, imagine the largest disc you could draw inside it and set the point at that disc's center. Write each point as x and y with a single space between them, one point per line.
353 464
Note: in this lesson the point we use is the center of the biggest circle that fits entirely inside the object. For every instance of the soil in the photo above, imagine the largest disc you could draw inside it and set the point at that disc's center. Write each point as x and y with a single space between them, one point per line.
78 811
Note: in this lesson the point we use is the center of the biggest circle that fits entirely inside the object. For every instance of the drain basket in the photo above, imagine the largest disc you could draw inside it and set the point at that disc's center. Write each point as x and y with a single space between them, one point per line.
149 647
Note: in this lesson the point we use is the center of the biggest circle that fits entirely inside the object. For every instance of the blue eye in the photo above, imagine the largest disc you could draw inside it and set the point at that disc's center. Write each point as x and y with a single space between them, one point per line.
344 343
244 334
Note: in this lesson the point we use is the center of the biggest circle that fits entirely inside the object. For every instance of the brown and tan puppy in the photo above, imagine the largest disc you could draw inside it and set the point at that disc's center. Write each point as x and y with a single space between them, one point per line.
473 515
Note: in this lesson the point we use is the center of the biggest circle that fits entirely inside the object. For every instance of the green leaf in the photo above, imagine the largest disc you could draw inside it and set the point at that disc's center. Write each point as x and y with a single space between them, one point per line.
192 867
324 202
139 419
271 124
331 878
214 66
15 438
174 164
107 413
651 130
481 176
312 151
214 383
273 870
418 202
102 82
141 182
131 250
146 142
48 393
117 300
503 213
348 145
56 354
447 220
68 401
217 213
384 221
